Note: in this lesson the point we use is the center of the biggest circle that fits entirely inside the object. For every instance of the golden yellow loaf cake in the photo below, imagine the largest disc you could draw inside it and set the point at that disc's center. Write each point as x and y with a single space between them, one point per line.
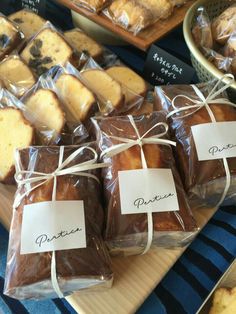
15 132
47 49
29 22
84 43
17 77
224 301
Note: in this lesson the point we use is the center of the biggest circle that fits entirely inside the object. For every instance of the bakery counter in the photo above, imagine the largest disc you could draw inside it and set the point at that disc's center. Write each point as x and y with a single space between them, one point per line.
136 275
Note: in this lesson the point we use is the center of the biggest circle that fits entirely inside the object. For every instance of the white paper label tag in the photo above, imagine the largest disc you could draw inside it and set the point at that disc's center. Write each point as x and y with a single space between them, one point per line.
147 190
52 226
215 140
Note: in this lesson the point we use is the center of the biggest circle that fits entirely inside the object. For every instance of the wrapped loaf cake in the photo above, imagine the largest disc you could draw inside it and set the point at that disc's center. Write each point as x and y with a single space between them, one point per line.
28 276
127 233
205 180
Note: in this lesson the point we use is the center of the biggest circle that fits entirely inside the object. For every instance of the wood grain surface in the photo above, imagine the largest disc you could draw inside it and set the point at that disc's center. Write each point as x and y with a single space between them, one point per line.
146 37
135 277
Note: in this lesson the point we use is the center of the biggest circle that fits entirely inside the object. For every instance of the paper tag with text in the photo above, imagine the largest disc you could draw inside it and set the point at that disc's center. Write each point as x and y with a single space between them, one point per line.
162 68
53 226
147 190
215 140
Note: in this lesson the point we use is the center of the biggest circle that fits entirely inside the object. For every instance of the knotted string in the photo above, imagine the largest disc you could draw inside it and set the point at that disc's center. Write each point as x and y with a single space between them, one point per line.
205 102
45 177
141 140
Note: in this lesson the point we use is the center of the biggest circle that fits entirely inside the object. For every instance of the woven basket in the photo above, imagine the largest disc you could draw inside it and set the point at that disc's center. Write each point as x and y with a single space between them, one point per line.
206 71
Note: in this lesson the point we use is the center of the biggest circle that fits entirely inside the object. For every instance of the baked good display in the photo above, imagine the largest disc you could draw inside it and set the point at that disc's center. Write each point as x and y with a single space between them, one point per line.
224 25
92 5
10 36
29 22
28 276
205 180
224 301
107 90
127 234
128 78
17 77
46 106
216 39
47 49
15 132
79 101
135 15
84 43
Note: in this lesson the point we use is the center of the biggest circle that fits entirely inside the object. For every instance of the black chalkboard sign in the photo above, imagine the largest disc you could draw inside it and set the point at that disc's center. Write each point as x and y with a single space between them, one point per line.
162 68
37 6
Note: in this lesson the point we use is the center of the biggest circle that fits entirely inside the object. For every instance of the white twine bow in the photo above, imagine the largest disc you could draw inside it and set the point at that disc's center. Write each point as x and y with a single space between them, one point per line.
201 102
141 140
45 177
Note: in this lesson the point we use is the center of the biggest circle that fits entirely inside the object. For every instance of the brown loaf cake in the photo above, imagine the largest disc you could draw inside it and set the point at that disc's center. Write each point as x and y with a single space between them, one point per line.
10 36
16 75
79 102
47 49
127 234
29 276
46 107
84 43
15 132
204 180
29 22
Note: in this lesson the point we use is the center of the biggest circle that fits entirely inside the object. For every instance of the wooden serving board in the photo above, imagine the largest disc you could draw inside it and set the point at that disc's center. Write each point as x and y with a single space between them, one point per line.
135 277
146 37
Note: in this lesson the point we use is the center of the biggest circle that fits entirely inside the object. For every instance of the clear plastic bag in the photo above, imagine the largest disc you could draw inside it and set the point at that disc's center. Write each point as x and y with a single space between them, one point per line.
11 37
204 181
202 33
49 48
114 98
92 5
137 15
28 276
17 77
128 234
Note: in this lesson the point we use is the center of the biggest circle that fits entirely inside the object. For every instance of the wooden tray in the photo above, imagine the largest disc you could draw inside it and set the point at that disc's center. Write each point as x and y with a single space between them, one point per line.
146 37
135 277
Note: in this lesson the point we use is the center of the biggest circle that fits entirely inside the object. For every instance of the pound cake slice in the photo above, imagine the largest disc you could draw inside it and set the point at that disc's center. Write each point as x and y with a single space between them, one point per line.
128 78
46 107
47 49
10 36
29 22
224 301
84 43
78 100
16 75
105 87
15 132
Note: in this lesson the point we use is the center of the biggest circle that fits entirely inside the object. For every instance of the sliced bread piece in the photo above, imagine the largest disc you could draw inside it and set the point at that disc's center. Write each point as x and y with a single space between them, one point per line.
128 78
47 49
46 107
83 43
16 75
10 36
105 86
15 132
29 22
79 101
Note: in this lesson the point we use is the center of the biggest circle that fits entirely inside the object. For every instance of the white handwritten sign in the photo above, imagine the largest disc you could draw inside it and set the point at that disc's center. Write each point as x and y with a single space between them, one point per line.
215 140
37 6
52 226
147 190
